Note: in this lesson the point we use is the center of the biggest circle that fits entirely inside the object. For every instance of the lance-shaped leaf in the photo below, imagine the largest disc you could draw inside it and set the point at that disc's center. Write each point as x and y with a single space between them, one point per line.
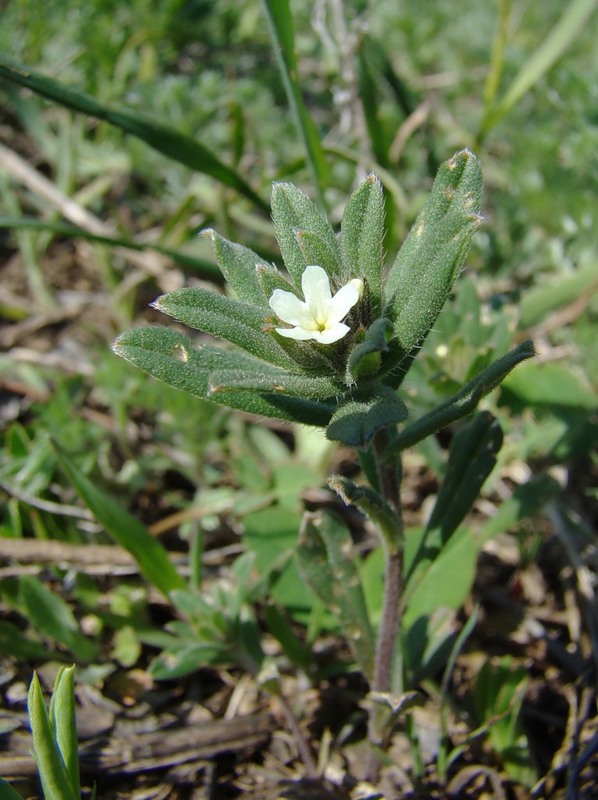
365 358
238 322
373 506
362 235
153 560
269 278
163 139
317 250
472 458
52 770
327 562
238 264
356 423
433 253
463 402
171 357
293 211
275 381
64 724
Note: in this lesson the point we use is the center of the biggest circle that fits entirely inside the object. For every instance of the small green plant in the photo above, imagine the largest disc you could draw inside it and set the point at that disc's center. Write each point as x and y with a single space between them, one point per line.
330 343
55 744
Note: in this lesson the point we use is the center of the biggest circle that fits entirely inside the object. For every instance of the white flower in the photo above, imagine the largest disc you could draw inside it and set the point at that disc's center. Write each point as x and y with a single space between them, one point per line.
319 317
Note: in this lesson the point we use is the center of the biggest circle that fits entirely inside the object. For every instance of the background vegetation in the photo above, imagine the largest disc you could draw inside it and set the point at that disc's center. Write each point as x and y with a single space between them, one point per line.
99 216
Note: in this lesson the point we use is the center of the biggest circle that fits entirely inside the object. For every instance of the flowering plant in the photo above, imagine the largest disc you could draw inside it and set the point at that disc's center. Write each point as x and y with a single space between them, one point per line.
354 333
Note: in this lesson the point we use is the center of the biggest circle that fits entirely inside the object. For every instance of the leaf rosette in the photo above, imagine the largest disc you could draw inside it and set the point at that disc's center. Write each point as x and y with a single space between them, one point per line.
328 340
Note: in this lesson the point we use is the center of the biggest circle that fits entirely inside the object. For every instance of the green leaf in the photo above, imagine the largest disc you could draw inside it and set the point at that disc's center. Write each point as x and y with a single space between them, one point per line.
356 423
64 723
551 384
373 505
539 300
318 251
293 211
328 564
239 266
433 254
369 84
472 458
361 239
262 380
52 771
238 322
280 22
560 38
201 267
13 642
462 403
125 529
163 139
51 615
366 357
7 792
171 357
445 583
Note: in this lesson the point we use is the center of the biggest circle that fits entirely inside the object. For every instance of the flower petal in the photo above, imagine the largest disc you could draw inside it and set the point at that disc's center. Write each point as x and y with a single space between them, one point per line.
316 287
332 334
344 300
289 308
300 334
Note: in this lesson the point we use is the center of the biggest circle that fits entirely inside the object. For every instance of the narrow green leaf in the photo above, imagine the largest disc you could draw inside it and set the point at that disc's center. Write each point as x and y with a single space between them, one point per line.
125 529
356 423
540 300
51 767
369 84
562 36
51 615
362 236
277 381
472 458
373 506
239 265
171 357
432 256
163 139
14 642
446 582
238 322
328 564
293 211
200 266
64 723
280 22
7 792
462 403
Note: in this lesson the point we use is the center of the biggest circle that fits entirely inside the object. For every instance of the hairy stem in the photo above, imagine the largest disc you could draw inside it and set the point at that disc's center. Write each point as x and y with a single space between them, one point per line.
389 484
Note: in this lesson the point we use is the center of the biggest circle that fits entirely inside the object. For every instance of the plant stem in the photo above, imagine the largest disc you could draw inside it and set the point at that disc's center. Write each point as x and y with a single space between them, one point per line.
389 485
389 481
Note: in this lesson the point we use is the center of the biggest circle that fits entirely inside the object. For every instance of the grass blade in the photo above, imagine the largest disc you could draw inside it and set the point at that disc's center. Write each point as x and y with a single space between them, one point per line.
165 140
280 22
127 531
202 267
553 47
